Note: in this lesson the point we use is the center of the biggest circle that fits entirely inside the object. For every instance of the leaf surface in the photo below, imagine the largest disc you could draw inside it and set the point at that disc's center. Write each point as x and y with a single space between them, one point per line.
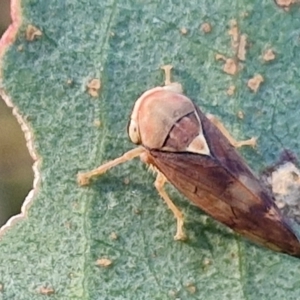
123 44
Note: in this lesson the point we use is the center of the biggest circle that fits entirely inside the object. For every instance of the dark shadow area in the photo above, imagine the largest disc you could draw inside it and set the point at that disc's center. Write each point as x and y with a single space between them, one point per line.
16 175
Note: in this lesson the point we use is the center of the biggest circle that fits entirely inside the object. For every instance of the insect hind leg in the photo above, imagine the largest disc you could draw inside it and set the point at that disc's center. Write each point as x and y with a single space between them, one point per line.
159 185
237 144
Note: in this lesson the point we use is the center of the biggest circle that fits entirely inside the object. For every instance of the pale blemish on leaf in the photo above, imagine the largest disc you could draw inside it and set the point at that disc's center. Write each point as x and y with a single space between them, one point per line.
241 114
238 44
234 33
97 123
126 181
44 290
103 262
113 236
183 31
32 33
242 47
219 56
93 87
231 90
206 27
191 288
206 262
255 82
285 4
230 67
285 185
269 55
285 182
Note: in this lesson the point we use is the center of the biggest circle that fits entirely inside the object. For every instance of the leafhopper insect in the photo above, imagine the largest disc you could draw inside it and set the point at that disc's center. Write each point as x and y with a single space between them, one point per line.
197 155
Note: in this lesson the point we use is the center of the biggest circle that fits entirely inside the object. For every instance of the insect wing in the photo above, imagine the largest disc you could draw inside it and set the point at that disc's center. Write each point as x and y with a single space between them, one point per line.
223 186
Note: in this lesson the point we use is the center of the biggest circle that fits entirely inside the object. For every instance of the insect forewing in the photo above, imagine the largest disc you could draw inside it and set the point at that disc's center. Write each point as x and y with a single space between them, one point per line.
223 186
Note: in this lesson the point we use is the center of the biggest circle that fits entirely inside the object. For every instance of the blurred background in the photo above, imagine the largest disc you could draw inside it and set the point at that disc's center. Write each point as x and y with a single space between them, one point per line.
16 175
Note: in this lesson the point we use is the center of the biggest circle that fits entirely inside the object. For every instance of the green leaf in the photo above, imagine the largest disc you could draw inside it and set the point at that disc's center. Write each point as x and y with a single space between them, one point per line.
68 228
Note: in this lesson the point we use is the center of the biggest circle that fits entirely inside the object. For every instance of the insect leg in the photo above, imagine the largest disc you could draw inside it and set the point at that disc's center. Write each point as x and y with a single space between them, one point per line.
251 142
167 69
159 184
84 178
173 86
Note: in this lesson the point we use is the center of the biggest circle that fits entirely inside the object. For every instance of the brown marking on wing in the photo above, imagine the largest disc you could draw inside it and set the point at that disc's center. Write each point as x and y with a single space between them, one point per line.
224 187
177 138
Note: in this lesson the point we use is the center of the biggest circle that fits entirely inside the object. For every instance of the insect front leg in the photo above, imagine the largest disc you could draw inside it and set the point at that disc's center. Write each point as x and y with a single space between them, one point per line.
84 178
159 184
237 144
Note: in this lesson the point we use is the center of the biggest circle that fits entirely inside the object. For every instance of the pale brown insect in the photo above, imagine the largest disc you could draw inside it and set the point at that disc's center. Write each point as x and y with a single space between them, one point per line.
197 155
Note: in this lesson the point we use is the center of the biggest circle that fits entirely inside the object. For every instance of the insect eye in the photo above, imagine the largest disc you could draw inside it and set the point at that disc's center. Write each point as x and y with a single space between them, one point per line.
133 132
